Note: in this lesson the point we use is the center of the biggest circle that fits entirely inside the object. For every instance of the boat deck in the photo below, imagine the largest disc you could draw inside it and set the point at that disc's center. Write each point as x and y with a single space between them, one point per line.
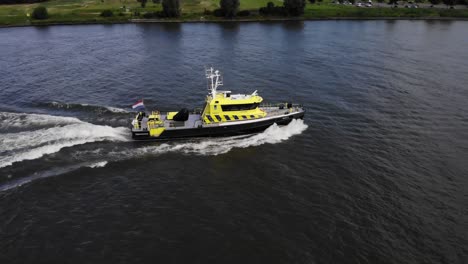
195 120
277 111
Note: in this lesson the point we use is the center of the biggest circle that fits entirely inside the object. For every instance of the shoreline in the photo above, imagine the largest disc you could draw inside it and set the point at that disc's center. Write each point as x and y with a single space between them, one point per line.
150 21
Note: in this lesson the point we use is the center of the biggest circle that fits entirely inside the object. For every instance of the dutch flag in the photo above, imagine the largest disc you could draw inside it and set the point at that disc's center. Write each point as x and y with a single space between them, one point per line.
138 105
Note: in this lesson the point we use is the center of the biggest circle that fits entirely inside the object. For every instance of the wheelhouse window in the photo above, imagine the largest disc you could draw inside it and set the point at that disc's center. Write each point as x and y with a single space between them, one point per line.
239 107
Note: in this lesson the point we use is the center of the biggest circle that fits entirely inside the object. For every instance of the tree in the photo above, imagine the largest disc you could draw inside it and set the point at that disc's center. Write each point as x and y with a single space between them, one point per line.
243 13
449 2
392 2
107 13
40 12
294 7
434 2
156 1
143 3
171 8
229 7
312 1
271 9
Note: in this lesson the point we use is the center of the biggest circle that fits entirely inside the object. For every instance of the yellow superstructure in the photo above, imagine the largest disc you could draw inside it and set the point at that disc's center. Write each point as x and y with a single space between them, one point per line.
226 107
155 124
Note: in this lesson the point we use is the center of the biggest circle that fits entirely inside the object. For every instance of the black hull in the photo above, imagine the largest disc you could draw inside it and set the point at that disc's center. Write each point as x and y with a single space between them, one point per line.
219 131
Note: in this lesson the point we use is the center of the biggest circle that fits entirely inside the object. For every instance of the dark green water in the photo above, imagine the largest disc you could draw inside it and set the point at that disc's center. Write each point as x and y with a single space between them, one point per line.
376 172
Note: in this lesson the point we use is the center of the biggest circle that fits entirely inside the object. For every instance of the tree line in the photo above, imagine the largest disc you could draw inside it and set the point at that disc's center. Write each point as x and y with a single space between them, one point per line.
171 8
230 9
10 2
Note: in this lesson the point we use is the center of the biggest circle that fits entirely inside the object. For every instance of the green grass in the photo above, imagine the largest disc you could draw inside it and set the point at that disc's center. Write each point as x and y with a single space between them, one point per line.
88 11
73 11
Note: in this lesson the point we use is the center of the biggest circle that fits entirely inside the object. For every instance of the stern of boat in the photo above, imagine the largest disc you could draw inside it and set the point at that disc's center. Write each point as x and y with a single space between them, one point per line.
295 111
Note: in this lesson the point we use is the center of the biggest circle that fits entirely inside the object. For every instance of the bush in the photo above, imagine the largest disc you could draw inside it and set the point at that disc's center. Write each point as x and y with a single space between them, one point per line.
148 15
243 13
158 14
143 3
107 13
40 12
218 13
272 10
294 7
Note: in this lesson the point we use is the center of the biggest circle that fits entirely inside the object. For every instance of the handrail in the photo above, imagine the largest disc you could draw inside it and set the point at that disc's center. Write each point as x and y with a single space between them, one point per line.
278 105
197 110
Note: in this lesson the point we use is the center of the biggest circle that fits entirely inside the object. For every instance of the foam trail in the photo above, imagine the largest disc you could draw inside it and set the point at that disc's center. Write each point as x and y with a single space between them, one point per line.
27 120
86 107
97 164
272 135
213 146
48 173
116 109
16 147
72 132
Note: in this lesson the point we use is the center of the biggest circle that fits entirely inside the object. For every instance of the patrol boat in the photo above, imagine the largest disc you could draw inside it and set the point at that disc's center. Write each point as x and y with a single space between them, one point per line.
224 114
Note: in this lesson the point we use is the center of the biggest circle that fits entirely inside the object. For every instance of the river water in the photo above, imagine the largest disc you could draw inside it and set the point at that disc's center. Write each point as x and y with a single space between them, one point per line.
376 172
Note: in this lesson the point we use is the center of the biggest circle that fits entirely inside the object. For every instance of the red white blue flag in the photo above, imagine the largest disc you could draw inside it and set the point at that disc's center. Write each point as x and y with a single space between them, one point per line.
138 105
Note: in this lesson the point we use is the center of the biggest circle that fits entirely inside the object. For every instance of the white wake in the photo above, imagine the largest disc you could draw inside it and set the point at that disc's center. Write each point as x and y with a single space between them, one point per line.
62 132
116 109
215 146
73 105
16 147
97 164
16 120
66 132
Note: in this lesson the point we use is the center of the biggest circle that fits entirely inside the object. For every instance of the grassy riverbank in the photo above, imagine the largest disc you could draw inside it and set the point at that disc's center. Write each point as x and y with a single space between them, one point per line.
88 11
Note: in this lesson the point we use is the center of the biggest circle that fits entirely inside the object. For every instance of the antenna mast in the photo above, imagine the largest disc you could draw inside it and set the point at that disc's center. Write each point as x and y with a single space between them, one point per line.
216 80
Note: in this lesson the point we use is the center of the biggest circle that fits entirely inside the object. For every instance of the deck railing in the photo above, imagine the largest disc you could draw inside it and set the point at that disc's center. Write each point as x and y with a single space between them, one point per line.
284 105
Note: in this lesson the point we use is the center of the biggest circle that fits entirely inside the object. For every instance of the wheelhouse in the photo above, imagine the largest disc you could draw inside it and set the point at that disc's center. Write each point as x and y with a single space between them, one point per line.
223 106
